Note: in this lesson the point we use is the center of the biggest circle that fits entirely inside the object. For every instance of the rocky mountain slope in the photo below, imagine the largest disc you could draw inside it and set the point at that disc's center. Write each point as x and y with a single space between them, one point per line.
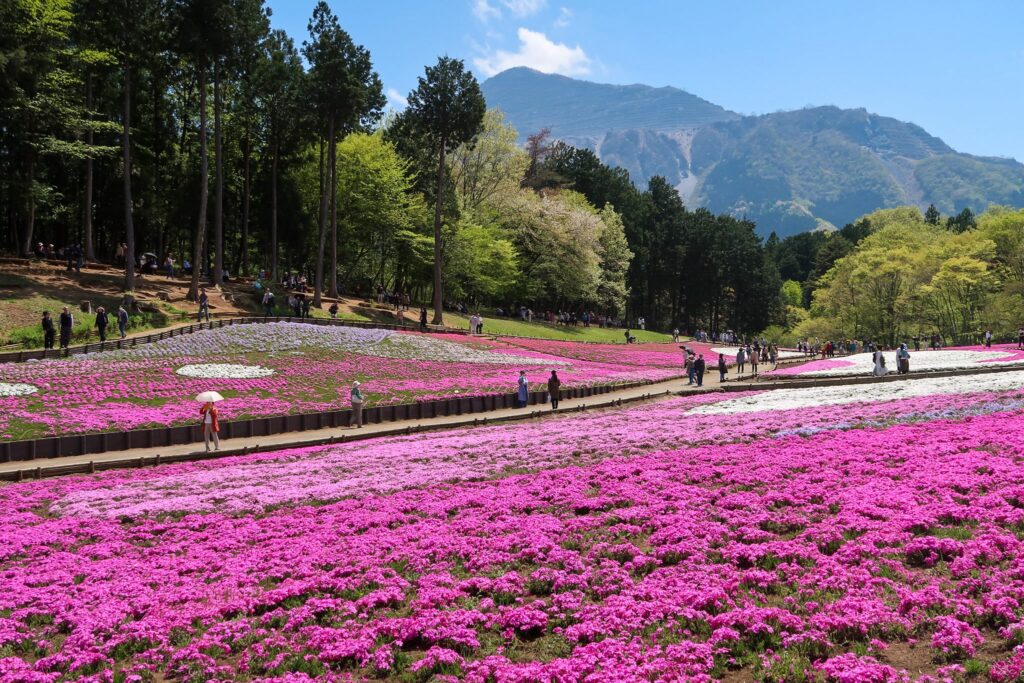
790 171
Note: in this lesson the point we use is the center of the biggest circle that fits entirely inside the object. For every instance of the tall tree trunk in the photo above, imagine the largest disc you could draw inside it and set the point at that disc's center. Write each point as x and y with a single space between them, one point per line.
204 172
29 226
218 205
126 151
324 185
273 215
333 287
244 270
439 201
90 248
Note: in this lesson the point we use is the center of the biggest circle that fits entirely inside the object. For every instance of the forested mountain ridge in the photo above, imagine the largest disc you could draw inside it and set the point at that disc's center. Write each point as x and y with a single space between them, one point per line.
789 171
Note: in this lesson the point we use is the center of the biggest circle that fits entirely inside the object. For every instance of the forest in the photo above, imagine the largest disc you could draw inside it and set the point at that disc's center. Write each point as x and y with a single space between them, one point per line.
191 128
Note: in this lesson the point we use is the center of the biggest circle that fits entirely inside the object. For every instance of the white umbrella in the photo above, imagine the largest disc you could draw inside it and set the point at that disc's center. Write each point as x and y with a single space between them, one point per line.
209 397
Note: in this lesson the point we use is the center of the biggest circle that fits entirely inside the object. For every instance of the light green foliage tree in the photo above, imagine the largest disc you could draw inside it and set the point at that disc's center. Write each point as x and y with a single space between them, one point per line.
911 276
375 204
480 263
491 165
612 290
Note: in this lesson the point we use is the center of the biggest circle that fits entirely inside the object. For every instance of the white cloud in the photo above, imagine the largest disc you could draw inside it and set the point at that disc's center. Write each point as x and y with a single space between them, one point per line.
485 11
524 8
396 100
537 52
564 15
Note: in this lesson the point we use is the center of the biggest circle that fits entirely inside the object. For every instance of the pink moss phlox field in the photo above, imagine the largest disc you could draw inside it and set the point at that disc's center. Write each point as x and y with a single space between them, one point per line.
655 543
313 368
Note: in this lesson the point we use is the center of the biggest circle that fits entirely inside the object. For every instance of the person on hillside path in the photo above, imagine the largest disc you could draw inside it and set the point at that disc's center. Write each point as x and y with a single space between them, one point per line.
741 360
67 321
755 356
554 389
423 320
204 305
333 310
523 392
122 321
268 304
49 331
699 366
675 335
479 324
355 420
691 371
211 427
988 339
101 323
306 303
722 367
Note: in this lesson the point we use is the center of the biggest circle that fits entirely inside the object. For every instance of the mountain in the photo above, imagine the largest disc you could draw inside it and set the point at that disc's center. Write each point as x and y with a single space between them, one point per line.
791 171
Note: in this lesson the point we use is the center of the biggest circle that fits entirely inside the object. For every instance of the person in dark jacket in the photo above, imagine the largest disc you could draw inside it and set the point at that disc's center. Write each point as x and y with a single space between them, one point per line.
423 319
699 366
49 331
67 321
101 323
122 321
554 389
722 367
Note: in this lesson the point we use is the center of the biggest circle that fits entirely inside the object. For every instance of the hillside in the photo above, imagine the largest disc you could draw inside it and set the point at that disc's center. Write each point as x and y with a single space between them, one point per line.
790 171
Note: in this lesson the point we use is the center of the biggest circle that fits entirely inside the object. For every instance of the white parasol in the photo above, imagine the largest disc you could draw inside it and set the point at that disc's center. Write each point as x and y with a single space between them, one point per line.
209 397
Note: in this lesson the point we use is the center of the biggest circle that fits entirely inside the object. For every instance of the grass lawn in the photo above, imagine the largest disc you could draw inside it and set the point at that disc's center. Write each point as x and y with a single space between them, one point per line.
509 327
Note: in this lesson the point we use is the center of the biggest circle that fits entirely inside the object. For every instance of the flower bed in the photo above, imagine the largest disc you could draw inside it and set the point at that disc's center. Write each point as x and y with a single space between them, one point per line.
962 358
271 369
871 541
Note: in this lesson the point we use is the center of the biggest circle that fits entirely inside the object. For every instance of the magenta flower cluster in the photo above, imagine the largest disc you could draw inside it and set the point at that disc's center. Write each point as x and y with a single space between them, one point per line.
646 544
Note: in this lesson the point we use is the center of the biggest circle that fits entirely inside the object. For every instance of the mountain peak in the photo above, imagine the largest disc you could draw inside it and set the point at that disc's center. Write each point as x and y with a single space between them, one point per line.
575 108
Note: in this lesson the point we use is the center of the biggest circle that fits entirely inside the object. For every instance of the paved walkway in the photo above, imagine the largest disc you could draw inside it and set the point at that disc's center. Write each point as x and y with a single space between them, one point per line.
659 390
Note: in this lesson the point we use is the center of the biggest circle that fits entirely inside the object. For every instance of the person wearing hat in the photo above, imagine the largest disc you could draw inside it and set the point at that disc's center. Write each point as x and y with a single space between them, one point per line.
210 426
356 419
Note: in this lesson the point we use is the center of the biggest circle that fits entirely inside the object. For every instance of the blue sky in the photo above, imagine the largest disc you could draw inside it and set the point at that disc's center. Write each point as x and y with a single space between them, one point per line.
955 68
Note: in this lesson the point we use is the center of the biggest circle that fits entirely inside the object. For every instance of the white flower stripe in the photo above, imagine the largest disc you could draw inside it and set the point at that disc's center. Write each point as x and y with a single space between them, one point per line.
816 397
224 371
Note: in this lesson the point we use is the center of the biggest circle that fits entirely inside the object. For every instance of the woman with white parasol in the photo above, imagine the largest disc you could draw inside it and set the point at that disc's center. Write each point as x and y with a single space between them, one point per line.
208 413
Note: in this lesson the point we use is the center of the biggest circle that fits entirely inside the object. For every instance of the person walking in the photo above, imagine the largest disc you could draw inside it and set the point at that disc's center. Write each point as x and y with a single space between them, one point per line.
67 321
691 370
755 356
211 427
122 321
268 303
523 391
355 421
675 335
988 339
101 323
554 389
204 304
722 367
423 319
741 360
917 342
49 331
699 366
